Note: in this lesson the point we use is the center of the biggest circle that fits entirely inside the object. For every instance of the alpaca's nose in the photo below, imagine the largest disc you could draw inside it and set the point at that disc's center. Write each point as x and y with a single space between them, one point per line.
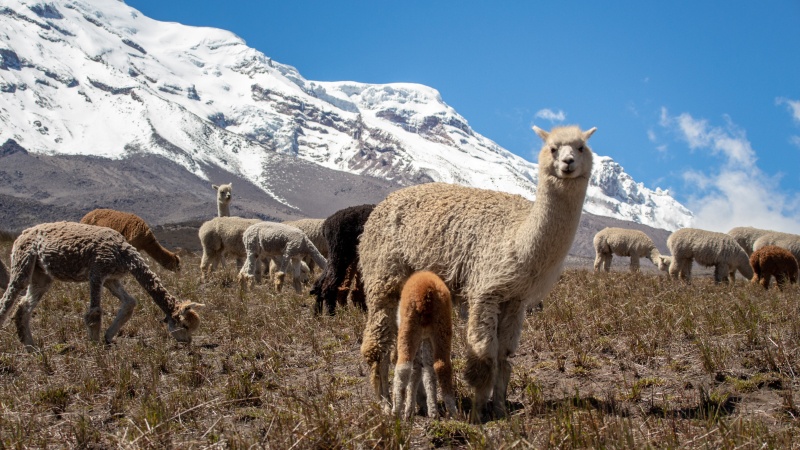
568 160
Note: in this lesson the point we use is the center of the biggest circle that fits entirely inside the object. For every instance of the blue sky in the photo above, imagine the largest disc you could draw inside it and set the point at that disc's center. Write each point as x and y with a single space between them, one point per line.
701 98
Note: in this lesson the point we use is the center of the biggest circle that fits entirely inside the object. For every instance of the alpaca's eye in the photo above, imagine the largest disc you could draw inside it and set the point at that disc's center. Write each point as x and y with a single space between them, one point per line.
553 149
580 149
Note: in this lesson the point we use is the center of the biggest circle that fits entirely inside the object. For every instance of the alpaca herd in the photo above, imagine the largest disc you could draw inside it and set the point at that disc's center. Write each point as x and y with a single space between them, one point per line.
406 262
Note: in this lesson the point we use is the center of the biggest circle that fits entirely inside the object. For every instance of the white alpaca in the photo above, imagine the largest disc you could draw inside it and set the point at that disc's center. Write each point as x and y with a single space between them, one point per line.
275 240
499 252
75 252
707 248
222 236
224 196
623 242
747 236
788 241
424 336
301 274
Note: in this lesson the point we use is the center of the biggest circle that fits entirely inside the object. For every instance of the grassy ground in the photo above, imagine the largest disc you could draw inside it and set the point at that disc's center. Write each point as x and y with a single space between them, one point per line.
613 360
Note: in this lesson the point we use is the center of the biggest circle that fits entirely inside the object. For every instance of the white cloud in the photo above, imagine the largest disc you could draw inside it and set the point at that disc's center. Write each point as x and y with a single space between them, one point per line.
793 106
795 140
552 116
736 192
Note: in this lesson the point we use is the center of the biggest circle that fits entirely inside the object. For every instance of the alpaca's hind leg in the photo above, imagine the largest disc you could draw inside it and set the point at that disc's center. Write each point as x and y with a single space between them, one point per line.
428 369
125 310
509 330
94 314
39 284
442 345
406 375
482 348
21 272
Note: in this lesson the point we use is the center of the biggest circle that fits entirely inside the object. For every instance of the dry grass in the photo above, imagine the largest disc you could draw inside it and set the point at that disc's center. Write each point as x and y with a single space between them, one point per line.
613 360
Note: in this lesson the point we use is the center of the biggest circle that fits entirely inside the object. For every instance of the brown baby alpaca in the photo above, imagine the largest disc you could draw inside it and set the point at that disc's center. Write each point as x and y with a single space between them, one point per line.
773 261
424 336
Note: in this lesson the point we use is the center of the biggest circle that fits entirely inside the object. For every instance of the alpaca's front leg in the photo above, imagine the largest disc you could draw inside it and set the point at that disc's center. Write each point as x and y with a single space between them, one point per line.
634 262
94 315
125 310
482 347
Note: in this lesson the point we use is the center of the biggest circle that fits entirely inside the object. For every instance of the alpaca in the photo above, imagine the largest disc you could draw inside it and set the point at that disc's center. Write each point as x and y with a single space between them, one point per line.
772 260
75 252
623 242
747 236
707 248
663 263
224 195
276 240
219 237
301 275
136 232
341 231
313 229
424 319
787 241
499 252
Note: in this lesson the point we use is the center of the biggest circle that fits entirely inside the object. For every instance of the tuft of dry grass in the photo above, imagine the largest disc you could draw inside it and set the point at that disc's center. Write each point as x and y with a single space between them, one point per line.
612 360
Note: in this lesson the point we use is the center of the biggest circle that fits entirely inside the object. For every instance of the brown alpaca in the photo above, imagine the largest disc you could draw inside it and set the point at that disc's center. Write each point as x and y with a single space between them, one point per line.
75 252
136 232
773 261
424 335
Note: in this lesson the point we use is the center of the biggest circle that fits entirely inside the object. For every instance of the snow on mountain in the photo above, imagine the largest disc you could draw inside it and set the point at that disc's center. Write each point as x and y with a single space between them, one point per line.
81 77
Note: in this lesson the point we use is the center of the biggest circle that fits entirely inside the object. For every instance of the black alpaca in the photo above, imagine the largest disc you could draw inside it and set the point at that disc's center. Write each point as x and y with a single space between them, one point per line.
342 230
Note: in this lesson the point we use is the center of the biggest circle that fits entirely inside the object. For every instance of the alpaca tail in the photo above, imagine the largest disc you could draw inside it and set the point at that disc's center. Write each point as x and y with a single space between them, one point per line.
149 280
23 264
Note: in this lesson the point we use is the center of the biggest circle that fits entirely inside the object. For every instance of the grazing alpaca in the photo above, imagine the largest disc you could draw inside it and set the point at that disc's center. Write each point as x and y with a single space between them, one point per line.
499 252
707 248
224 195
313 229
747 236
623 242
75 252
787 241
219 237
424 319
772 260
275 240
136 232
342 231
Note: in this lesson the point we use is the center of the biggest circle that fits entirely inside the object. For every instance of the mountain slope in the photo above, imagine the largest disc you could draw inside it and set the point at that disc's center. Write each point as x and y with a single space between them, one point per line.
98 78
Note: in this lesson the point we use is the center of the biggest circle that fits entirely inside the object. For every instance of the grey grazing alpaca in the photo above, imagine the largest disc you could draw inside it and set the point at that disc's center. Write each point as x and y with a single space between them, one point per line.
74 252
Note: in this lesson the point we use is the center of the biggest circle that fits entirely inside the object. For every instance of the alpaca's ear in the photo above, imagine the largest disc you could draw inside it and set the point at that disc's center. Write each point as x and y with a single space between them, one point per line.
542 134
588 133
193 305
215 187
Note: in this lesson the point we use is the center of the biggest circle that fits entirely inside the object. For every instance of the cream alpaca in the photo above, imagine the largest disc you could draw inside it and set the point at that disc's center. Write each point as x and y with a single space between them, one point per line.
222 236
313 229
747 236
224 196
75 252
275 240
771 260
623 242
424 336
707 248
136 232
499 252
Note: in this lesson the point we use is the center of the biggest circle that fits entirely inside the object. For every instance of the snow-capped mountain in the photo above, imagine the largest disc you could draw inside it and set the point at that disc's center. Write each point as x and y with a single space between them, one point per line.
81 77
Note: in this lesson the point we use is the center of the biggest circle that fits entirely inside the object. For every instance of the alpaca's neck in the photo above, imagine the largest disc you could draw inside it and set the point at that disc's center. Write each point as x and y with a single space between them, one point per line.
549 229
162 256
654 254
150 282
223 209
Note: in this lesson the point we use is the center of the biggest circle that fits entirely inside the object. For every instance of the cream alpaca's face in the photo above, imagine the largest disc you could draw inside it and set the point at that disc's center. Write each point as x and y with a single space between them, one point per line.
224 192
566 152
